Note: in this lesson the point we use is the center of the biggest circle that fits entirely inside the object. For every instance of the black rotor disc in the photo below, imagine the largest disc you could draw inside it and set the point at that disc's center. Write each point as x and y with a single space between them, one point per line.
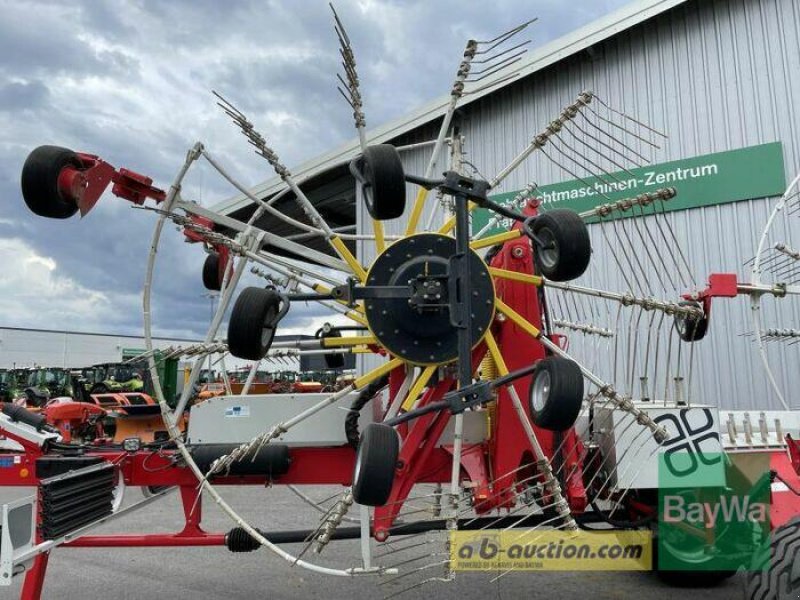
424 337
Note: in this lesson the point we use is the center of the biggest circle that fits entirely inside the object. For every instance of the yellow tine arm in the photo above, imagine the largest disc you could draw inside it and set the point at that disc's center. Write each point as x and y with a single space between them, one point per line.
418 386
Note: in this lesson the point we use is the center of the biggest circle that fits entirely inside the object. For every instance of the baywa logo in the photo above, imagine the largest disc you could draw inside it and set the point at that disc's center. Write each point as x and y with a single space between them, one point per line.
727 509
714 517
693 442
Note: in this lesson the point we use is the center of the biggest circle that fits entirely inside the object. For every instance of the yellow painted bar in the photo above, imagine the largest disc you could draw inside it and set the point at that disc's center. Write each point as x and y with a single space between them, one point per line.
521 321
416 212
353 314
514 275
494 350
353 340
495 239
348 257
416 389
451 222
360 382
356 317
380 240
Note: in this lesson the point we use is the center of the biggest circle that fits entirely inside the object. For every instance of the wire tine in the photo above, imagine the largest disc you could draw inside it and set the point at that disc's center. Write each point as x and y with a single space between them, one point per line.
618 126
621 114
555 147
609 135
493 71
500 65
587 159
346 98
339 24
492 84
403 549
608 158
229 104
511 32
417 570
499 54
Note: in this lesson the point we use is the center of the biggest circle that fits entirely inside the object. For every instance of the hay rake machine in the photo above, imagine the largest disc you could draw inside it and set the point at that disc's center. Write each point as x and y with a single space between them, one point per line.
483 413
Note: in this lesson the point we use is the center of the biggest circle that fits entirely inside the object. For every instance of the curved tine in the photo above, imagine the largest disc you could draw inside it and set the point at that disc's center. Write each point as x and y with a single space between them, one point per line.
499 54
318 505
339 27
608 174
409 561
417 570
403 548
578 177
599 129
489 69
632 119
505 36
574 123
621 128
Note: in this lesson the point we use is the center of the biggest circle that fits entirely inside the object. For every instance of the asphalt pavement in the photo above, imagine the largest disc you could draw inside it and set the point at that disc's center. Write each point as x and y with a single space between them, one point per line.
215 573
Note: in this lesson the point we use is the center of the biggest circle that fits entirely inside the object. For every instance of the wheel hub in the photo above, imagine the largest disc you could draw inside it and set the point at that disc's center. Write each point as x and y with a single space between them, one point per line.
418 329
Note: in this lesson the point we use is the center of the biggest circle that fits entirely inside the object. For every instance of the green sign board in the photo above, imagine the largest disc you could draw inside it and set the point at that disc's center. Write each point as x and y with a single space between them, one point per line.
752 172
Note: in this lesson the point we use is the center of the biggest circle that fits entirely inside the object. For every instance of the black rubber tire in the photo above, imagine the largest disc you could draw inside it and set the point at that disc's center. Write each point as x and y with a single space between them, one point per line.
211 277
569 248
251 328
691 329
99 388
39 182
376 460
779 578
385 196
334 360
563 402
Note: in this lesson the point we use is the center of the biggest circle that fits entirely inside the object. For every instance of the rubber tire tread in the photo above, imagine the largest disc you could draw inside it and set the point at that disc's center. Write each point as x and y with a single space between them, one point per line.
566 394
383 170
254 309
39 182
571 237
211 276
377 451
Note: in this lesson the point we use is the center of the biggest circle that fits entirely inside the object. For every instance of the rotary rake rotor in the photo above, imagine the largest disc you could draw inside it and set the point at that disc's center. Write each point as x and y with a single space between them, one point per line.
487 365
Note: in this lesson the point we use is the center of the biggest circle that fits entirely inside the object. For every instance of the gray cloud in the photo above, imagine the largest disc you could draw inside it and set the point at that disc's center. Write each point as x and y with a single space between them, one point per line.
131 81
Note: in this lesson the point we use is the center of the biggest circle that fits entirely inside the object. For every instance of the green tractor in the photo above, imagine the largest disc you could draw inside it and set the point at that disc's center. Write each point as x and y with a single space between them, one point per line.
115 377
132 376
44 383
13 383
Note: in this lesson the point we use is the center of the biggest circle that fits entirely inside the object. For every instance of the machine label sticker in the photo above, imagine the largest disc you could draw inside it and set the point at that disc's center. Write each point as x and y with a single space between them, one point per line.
237 411
5 463
708 524
550 550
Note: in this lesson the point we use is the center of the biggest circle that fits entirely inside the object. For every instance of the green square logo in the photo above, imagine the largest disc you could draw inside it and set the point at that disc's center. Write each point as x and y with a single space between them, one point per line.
713 511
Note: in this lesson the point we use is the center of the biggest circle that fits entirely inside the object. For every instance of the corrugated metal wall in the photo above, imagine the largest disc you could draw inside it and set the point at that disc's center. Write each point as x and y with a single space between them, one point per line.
29 347
715 75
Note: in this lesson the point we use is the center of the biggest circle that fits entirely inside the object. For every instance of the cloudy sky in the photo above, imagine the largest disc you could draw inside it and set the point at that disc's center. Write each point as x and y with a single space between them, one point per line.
132 80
